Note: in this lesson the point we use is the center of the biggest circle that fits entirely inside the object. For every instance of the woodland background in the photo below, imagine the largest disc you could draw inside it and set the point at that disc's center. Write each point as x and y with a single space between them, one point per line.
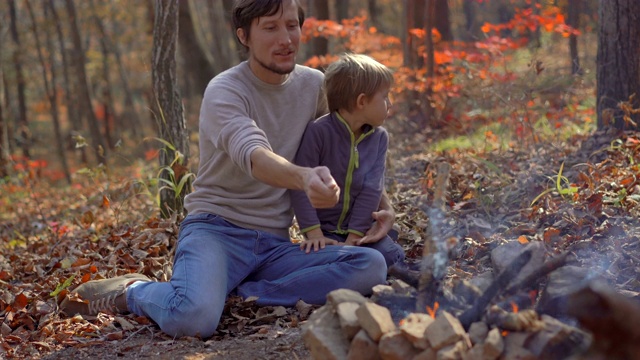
99 105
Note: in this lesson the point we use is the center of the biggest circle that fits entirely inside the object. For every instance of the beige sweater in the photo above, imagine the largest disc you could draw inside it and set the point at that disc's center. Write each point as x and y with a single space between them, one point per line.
240 113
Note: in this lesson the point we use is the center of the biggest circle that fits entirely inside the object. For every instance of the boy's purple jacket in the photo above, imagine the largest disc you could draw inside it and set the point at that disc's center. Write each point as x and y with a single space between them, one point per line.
357 165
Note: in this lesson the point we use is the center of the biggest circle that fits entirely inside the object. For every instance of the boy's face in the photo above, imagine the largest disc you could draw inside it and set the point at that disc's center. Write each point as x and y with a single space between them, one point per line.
376 107
273 43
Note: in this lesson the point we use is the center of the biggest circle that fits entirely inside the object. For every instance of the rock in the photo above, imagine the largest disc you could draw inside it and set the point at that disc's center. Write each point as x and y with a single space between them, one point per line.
323 337
478 332
445 330
395 346
348 320
345 295
375 320
363 348
414 328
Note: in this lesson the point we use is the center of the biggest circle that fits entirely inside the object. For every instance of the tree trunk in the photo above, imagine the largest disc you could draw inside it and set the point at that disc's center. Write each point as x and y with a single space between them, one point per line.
130 118
342 10
429 20
4 150
224 48
373 12
173 130
441 21
83 93
23 124
471 25
618 62
407 22
72 106
320 44
50 88
573 20
197 69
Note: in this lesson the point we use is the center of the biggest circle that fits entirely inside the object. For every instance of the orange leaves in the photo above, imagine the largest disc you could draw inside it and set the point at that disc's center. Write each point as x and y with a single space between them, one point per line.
151 154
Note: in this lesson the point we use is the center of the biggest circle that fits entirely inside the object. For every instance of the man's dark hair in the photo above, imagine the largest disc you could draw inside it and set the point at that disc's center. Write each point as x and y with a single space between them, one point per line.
244 11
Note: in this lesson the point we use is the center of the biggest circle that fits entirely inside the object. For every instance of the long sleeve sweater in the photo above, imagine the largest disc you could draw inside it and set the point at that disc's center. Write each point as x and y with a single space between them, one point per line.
357 165
239 114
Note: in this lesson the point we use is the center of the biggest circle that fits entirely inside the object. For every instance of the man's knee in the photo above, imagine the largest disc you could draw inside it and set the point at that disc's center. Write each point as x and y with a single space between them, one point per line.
192 320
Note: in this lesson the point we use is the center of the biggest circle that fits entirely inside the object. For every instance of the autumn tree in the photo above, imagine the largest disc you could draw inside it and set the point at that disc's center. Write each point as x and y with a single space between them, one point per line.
82 82
618 64
172 127
23 124
573 20
49 80
196 65
320 44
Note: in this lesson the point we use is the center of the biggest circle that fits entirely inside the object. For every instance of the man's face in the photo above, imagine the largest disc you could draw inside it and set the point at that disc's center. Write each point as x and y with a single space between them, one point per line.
273 43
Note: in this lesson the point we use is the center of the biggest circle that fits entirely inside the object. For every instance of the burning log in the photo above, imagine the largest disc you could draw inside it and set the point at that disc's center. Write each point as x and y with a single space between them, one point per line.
474 313
546 268
611 317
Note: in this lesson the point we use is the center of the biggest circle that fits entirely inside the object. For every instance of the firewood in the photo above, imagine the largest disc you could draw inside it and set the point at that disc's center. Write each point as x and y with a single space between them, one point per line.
474 313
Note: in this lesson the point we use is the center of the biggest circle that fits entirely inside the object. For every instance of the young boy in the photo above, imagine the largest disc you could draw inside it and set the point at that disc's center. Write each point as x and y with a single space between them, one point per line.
352 144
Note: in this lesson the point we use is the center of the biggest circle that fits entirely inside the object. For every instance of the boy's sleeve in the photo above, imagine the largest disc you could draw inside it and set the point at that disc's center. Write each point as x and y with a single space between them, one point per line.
369 198
308 155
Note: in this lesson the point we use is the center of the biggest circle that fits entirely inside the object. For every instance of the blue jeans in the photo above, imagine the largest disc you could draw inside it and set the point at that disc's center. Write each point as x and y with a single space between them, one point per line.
393 253
215 257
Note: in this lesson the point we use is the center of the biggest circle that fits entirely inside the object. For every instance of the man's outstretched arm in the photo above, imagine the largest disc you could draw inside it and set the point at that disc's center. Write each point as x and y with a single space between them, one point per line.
272 169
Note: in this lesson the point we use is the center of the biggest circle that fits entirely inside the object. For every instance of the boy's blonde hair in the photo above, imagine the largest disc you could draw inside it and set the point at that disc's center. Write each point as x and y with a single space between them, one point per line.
352 75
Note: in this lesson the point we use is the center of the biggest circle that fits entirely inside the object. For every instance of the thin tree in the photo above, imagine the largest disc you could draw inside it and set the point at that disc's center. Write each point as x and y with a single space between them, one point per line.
110 115
342 10
429 58
82 92
129 119
224 47
374 15
573 20
4 153
72 106
196 65
50 87
441 21
174 157
23 124
320 44
618 64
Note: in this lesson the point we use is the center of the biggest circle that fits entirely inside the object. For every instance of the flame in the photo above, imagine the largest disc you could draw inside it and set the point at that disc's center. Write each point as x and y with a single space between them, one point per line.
504 333
514 307
402 322
432 311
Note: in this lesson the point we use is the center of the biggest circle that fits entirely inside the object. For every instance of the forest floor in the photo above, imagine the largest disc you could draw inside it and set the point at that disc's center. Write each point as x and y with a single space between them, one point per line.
54 238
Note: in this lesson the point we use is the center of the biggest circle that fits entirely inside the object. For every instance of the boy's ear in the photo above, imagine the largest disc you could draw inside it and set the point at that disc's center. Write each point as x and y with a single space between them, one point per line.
361 100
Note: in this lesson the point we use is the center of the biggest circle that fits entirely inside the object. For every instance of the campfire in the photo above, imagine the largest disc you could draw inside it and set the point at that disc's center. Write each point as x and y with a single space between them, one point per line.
531 303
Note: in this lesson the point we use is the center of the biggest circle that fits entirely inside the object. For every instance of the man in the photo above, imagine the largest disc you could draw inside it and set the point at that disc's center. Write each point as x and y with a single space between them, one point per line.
235 238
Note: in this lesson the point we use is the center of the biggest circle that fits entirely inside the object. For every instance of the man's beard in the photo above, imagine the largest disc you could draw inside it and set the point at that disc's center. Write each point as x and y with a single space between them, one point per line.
273 68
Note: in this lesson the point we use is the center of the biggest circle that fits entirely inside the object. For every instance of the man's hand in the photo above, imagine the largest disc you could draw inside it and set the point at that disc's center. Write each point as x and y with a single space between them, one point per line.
382 225
352 239
321 188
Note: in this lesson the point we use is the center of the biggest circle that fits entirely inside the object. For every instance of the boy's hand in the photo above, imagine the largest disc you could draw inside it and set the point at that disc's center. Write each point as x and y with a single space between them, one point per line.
382 225
316 244
316 240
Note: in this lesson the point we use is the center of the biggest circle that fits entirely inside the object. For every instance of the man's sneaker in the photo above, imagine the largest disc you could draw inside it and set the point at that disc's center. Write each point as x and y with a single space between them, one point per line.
108 295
